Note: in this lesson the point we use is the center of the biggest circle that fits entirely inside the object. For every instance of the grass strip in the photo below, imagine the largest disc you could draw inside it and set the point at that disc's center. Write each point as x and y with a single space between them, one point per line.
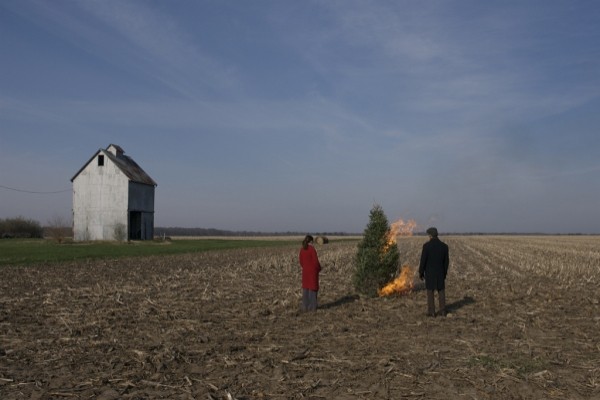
36 251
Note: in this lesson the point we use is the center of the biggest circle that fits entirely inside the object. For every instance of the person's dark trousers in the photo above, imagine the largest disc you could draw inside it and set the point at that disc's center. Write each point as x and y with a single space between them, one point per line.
431 303
309 300
442 301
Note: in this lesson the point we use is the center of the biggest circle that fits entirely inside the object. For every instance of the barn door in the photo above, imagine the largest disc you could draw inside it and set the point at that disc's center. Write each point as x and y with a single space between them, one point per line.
135 225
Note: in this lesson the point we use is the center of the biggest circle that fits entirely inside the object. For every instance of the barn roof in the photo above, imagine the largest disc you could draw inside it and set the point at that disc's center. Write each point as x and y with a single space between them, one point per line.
130 168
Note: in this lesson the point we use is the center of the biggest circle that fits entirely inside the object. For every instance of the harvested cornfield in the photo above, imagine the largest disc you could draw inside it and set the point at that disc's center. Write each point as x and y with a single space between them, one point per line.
523 324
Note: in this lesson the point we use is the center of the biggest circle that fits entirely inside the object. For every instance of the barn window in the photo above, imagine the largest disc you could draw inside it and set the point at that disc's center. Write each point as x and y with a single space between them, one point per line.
100 161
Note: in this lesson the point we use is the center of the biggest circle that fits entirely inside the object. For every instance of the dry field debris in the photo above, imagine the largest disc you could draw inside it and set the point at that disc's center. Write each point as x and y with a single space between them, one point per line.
523 324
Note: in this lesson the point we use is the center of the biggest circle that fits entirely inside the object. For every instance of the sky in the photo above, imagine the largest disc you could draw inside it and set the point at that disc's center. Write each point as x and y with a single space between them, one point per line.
281 115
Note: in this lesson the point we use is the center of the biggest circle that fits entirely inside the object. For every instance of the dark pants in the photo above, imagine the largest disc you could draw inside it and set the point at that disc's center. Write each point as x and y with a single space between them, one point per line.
431 302
309 300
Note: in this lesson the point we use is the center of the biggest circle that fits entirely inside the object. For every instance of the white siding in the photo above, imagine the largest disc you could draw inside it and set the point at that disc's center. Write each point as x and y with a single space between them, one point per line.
100 201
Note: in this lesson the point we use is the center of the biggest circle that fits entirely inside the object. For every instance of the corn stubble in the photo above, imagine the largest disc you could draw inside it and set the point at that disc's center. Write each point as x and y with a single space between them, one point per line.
523 323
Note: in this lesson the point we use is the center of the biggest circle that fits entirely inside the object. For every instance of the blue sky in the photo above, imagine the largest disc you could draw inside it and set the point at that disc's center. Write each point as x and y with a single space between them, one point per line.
301 115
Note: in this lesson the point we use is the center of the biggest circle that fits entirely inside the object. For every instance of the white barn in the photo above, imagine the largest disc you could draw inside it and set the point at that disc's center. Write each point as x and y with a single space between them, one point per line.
113 198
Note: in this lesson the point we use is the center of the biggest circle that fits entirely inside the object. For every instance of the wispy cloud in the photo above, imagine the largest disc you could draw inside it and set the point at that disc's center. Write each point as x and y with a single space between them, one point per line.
135 37
173 54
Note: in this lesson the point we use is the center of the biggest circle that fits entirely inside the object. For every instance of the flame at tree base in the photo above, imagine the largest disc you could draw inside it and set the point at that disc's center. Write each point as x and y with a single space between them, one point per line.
401 285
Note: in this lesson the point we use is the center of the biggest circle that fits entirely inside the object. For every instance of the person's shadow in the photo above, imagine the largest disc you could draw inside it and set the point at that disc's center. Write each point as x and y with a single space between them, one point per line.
450 307
465 301
342 300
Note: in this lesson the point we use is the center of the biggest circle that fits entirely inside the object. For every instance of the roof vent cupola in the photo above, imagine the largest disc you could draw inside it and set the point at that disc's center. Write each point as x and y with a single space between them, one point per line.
116 150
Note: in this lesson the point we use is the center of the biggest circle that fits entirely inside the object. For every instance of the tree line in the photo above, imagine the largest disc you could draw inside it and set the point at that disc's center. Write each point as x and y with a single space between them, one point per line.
20 227
179 231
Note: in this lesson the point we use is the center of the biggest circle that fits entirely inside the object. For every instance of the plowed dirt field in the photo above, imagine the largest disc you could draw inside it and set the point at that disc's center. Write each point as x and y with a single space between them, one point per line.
524 323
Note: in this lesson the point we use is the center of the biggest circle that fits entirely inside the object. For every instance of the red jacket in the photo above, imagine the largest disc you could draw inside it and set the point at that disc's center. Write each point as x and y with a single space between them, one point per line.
310 268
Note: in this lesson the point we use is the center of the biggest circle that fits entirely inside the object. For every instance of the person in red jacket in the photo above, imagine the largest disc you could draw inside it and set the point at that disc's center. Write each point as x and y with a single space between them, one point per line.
309 261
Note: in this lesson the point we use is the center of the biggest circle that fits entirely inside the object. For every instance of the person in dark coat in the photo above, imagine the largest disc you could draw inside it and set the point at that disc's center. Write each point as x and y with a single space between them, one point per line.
434 268
309 262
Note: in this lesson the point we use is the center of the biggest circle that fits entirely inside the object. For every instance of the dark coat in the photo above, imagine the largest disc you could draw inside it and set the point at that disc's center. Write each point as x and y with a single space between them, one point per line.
434 264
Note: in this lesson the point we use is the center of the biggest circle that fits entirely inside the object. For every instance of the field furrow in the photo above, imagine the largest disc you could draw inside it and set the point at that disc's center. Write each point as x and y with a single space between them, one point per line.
523 324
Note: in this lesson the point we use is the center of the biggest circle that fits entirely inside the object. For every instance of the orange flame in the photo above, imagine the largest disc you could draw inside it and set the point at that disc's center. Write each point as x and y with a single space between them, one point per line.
401 285
399 228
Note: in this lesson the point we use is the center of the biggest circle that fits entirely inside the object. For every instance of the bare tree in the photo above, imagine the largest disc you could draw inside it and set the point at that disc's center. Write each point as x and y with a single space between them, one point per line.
58 228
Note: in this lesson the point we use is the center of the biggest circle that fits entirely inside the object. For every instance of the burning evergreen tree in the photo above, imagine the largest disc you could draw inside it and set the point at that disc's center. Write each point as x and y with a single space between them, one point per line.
377 258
